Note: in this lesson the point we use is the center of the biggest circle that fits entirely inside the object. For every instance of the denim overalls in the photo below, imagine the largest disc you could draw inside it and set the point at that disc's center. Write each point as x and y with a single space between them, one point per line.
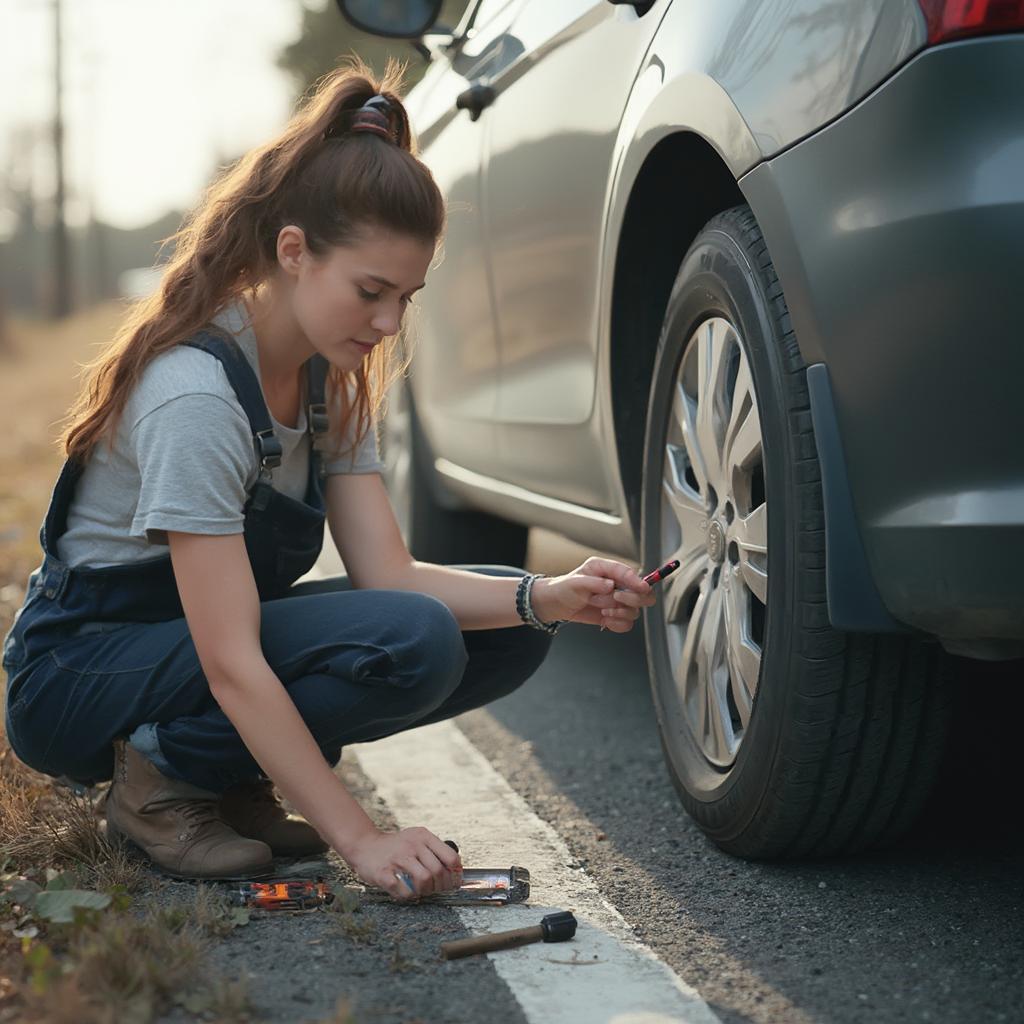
105 651
283 537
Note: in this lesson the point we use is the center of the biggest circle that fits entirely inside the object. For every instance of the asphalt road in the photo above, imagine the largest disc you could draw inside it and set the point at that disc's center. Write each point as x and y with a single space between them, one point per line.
932 930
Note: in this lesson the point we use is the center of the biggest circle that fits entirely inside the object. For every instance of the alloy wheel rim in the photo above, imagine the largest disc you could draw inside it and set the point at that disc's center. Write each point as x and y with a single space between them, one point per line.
714 519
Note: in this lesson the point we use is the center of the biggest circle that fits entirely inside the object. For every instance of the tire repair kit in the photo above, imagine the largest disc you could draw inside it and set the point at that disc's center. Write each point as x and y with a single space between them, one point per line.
480 887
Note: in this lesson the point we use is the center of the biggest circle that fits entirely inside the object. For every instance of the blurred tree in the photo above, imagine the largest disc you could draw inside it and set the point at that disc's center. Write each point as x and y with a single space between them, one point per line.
326 36
61 284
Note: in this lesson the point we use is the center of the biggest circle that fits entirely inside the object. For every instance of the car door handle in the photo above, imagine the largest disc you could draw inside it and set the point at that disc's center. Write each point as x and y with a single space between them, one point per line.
640 8
475 98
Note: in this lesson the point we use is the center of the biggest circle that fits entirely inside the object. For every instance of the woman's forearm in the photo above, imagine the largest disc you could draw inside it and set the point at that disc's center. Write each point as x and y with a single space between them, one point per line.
477 601
256 702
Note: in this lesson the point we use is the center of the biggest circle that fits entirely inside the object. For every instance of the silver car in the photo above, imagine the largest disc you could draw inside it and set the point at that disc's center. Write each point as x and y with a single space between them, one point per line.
708 258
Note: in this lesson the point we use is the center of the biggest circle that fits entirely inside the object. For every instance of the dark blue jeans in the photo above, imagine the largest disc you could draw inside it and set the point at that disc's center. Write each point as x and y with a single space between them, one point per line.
359 665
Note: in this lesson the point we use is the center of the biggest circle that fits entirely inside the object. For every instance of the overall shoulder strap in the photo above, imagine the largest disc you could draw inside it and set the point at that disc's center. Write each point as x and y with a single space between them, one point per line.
316 411
247 389
316 386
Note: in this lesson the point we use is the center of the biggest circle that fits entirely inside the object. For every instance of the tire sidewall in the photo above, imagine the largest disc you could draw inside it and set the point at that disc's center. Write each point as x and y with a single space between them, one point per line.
717 278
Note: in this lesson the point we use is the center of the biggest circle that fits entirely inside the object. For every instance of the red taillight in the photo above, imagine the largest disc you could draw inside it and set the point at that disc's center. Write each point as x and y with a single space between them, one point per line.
954 19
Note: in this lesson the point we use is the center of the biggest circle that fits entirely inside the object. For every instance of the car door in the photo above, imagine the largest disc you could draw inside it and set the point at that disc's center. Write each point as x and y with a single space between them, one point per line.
548 143
454 370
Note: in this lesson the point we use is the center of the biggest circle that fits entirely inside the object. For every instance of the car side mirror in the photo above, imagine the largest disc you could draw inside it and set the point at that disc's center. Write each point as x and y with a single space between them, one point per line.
394 19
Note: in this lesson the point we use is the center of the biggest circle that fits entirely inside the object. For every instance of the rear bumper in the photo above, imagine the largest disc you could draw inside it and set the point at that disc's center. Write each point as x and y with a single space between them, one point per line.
897 233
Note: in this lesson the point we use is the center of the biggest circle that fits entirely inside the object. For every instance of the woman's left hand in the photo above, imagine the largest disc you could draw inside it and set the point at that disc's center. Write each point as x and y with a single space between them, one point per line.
588 594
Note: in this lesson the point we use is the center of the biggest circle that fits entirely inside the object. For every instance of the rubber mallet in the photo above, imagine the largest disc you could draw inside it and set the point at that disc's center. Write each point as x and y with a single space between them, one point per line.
552 928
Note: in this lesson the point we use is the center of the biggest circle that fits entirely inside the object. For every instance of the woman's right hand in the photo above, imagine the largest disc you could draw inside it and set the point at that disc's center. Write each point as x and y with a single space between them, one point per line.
382 857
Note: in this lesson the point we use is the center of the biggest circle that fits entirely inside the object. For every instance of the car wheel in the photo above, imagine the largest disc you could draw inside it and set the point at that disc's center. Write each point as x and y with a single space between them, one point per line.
433 532
784 737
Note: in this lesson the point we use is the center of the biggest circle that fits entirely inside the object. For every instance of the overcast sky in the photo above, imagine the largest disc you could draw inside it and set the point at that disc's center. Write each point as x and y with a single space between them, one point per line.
155 91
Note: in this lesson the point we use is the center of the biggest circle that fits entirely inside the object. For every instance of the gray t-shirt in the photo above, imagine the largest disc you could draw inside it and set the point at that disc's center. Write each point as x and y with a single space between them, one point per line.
183 458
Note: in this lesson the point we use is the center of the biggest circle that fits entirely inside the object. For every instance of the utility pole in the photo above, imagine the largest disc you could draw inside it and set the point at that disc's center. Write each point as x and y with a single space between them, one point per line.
96 237
61 253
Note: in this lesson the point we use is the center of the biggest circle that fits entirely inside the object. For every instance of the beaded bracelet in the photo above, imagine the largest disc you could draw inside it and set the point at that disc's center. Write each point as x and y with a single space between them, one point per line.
525 608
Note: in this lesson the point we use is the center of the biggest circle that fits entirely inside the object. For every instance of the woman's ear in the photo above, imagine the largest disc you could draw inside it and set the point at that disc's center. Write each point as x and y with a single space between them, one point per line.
291 248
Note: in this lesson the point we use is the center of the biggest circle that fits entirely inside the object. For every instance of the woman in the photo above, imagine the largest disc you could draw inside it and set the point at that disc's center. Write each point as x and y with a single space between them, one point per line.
162 642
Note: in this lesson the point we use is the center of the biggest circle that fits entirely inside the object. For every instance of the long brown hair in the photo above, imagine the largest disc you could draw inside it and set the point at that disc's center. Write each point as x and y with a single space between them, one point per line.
334 189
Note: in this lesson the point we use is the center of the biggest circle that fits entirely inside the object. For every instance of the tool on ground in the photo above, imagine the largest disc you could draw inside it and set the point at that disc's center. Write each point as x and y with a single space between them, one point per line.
553 928
480 886
281 894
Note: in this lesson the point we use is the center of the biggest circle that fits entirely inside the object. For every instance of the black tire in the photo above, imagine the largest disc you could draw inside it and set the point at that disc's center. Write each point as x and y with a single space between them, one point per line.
432 531
845 731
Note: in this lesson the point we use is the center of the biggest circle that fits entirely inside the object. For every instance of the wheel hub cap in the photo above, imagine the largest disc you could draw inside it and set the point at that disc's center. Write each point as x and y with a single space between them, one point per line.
716 541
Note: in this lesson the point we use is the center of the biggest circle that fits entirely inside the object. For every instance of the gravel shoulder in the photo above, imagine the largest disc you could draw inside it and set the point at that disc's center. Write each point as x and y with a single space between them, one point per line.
382 962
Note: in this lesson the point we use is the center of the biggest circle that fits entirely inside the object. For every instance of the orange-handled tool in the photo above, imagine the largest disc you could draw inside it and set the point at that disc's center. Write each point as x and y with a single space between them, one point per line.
292 894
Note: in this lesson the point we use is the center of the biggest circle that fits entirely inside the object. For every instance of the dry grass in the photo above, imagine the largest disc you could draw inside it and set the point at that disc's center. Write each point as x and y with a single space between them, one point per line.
133 968
39 378
44 825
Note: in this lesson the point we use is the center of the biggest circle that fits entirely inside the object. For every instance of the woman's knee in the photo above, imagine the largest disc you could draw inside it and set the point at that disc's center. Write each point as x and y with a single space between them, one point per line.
432 655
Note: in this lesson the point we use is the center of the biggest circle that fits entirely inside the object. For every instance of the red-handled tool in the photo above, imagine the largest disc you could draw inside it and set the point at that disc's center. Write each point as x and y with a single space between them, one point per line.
655 576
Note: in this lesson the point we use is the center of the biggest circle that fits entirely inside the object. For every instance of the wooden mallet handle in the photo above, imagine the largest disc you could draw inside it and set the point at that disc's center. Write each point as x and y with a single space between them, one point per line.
552 928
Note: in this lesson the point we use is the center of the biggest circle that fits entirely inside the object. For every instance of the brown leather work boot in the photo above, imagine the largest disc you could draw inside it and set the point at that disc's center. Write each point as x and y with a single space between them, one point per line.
252 809
177 825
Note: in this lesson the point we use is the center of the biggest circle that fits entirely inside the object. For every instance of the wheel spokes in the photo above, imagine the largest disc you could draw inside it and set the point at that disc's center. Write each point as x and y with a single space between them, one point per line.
711 366
742 444
680 584
743 654
751 535
712 472
684 422
713 670
688 682
689 513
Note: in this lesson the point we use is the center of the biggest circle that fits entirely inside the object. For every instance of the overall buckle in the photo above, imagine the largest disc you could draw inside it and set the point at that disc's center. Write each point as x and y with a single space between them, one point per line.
53 577
269 447
318 420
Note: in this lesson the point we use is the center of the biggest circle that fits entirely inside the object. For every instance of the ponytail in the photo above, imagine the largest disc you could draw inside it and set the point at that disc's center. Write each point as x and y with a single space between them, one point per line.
318 174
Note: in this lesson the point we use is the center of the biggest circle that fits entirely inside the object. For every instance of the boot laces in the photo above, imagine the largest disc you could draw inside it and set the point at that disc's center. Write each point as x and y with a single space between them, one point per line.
199 811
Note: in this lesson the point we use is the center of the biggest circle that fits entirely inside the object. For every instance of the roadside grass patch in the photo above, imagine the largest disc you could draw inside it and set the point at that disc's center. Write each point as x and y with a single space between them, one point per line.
88 956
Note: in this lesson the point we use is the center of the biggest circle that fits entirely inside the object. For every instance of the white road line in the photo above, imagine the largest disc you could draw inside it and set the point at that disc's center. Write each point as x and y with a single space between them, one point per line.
434 776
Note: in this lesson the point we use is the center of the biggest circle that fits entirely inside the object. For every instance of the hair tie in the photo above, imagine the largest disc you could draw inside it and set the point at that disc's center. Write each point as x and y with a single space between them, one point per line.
372 116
